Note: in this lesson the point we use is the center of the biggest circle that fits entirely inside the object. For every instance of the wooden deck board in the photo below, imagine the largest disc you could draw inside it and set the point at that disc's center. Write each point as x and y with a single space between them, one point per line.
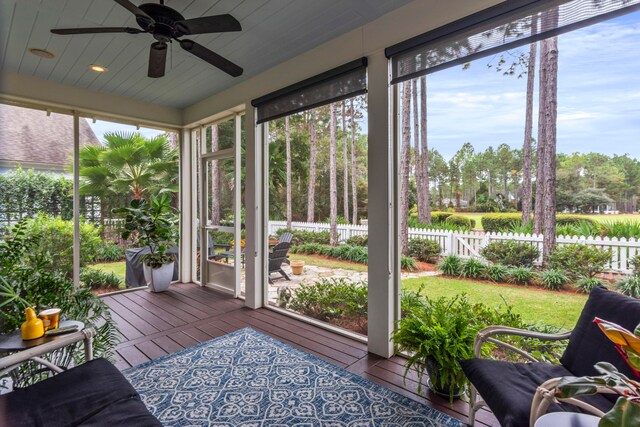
154 325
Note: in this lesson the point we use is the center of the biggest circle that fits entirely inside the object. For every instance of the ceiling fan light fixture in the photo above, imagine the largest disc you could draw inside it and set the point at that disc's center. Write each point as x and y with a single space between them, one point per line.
42 53
98 68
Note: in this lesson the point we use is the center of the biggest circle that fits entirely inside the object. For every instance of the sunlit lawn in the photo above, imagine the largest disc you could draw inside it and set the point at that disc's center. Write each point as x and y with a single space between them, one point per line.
112 267
533 304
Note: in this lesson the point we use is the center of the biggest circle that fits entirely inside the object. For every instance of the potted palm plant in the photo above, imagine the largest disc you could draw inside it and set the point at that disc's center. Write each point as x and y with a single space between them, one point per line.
155 223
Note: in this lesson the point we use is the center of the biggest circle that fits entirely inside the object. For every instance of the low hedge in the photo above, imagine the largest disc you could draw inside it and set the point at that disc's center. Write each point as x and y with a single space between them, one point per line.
351 253
567 219
440 217
303 237
499 222
461 221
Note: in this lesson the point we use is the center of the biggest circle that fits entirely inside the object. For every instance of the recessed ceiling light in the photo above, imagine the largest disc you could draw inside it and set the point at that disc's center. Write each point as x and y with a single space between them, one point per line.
98 68
42 53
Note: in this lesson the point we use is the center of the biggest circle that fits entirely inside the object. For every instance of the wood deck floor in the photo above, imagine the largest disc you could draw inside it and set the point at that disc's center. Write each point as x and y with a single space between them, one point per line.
153 325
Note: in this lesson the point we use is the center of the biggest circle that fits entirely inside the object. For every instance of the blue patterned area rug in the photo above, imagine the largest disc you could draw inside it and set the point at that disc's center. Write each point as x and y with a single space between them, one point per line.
251 380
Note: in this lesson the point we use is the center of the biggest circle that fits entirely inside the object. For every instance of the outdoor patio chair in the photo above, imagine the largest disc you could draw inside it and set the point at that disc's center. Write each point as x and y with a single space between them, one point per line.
509 388
285 238
277 256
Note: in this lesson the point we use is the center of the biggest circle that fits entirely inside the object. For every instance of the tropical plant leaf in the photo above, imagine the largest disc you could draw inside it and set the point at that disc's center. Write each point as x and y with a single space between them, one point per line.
624 413
619 335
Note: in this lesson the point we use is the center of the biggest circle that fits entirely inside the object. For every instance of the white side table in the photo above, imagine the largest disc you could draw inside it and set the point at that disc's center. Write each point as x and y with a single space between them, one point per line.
567 419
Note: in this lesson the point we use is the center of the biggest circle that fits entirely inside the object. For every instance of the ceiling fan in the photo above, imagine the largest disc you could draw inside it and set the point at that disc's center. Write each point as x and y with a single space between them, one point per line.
166 25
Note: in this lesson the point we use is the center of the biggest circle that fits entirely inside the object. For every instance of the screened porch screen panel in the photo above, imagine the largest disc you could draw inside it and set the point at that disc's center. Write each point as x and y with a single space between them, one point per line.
505 26
342 82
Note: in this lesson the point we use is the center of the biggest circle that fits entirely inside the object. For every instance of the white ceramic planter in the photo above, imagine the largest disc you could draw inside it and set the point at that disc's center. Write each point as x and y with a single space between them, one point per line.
158 279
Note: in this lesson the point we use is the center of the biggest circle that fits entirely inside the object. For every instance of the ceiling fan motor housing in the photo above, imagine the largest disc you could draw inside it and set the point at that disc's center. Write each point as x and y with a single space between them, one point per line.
164 28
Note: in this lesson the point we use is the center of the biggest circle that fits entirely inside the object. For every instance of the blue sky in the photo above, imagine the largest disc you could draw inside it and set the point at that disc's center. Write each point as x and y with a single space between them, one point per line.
598 96
101 127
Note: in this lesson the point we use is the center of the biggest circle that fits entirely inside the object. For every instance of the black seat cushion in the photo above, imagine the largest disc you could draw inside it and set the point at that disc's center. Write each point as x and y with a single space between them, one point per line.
588 345
508 388
92 394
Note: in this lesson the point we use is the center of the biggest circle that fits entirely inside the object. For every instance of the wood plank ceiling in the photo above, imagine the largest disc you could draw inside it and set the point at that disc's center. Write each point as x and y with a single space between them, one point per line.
273 31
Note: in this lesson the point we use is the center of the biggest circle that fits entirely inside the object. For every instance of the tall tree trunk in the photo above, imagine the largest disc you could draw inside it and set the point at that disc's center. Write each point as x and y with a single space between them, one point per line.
426 187
345 165
215 178
538 216
313 153
416 146
354 186
333 180
405 165
528 129
549 49
287 138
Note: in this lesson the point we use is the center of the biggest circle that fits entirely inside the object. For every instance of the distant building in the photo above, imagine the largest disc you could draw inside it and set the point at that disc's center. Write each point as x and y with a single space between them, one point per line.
33 140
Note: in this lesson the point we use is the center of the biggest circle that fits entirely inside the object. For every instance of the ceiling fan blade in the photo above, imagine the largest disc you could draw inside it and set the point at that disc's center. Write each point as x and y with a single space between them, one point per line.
96 30
157 59
209 24
211 57
134 9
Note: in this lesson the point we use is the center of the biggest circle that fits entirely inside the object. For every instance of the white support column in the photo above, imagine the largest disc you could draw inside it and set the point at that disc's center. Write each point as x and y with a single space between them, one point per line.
254 193
383 266
187 214
76 199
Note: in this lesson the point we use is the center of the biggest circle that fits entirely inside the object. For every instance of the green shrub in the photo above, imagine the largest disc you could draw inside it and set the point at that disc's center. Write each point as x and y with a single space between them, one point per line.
521 275
451 265
510 252
424 250
407 263
580 260
336 301
619 229
109 252
27 279
567 219
55 237
500 222
586 284
635 264
358 240
304 237
220 237
440 217
472 269
440 226
630 286
351 253
553 279
94 278
461 221
496 273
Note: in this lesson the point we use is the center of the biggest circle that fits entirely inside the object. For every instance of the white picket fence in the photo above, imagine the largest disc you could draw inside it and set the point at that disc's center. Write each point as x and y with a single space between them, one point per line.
468 244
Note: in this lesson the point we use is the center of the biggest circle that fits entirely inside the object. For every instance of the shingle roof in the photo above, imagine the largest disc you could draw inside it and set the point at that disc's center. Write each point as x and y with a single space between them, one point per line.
28 136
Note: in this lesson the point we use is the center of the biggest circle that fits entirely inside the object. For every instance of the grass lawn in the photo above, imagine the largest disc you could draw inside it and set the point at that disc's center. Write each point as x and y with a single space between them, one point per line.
606 218
112 267
329 263
533 304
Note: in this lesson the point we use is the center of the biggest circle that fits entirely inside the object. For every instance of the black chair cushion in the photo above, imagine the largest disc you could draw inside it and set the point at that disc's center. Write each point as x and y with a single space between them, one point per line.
508 388
588 345
92 394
